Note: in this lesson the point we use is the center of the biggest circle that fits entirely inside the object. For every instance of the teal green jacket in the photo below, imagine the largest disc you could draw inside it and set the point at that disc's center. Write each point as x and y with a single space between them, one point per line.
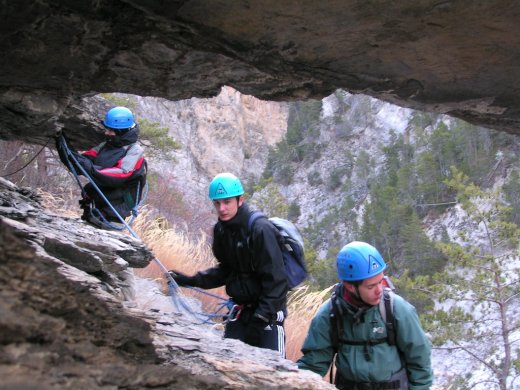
384 360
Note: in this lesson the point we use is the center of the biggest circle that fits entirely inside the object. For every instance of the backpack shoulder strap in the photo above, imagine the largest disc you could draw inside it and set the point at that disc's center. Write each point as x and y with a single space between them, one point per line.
250 223
386 308
336 324
252 218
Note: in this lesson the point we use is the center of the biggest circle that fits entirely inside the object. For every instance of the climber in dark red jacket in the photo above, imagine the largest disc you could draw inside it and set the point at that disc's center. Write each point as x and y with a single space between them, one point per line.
117 166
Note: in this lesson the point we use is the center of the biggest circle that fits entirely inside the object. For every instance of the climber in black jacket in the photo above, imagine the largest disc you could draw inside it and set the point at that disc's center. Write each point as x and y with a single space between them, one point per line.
253 272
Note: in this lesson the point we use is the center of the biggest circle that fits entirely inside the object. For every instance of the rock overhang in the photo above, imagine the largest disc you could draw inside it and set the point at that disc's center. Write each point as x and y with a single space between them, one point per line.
457 58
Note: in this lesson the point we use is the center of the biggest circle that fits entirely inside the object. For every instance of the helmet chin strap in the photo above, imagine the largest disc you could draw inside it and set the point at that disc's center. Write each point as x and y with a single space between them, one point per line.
360 310
354 294
358 295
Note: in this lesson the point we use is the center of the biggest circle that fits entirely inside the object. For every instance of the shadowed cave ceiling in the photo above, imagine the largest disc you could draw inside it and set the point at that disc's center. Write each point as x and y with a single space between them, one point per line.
460 57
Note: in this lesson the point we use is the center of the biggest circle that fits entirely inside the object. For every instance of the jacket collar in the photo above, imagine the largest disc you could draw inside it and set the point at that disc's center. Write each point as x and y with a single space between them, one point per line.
128 138
240 220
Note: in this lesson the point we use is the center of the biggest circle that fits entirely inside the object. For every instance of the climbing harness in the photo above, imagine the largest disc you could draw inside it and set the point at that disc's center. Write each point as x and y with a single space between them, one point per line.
134 212
103 222
179 300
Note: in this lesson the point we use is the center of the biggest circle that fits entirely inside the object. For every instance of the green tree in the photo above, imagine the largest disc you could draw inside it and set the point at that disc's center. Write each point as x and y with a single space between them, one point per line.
322 273
270 200
124 100
302 126
363 167
511 193
476 291
158 139
294 212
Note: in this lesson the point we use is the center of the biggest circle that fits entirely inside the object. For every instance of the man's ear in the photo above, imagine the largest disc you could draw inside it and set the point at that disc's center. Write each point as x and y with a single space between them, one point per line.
240 200
350 287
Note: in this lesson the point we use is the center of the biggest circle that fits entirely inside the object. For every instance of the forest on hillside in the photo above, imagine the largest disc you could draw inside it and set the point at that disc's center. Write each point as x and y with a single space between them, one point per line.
461 274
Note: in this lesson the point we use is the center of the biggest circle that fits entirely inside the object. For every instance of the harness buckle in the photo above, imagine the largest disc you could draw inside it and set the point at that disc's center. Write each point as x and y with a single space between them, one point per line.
234 313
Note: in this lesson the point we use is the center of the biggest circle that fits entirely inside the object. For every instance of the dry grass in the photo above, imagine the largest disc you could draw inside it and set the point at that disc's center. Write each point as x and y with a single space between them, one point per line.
176 252
302 306
61 205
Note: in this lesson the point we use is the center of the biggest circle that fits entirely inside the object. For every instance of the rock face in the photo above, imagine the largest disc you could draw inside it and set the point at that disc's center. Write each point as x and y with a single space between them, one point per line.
457 58
63 324
231 132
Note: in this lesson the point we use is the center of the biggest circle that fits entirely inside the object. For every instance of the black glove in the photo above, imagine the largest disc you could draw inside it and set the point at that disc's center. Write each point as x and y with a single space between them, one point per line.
63 147
255 331
183 280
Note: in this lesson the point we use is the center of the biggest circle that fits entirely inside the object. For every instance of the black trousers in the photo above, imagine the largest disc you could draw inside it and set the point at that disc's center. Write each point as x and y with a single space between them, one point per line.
273 336
116 196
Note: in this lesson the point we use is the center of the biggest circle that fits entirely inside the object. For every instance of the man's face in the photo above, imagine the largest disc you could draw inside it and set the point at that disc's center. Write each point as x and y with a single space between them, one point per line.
227 208
370 289
109 132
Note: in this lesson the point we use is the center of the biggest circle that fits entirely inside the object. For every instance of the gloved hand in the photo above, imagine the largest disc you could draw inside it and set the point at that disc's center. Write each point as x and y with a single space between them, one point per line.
255 331
183 280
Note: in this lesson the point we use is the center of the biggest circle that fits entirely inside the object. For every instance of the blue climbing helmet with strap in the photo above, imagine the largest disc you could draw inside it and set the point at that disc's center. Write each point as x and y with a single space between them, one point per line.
119 118
225 185
359 261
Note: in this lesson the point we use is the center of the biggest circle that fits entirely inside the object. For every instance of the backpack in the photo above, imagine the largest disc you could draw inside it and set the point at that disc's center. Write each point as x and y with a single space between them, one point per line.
291 244
386 308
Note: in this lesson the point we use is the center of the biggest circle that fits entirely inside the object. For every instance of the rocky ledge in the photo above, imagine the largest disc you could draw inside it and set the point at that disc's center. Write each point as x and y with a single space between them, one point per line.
65 320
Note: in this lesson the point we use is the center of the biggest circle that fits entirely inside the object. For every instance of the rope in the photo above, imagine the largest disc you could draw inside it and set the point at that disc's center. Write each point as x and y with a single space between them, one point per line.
225 303
203 318
97 213
134 210
178 299
30 161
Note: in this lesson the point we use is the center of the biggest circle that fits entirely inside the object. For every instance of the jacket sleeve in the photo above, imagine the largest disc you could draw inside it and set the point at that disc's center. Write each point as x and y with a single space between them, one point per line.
119 174
413 344
71 158
317 348
216 276
269 266
211 278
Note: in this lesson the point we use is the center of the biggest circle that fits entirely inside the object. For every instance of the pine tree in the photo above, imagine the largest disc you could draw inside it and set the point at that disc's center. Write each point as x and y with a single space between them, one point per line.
476 292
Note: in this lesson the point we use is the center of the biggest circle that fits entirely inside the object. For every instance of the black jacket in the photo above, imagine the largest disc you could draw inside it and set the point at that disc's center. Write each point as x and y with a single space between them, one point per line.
252 273
116 163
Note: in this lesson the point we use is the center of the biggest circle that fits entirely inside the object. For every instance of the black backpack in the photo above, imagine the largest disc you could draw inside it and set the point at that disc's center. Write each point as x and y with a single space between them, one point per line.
291 244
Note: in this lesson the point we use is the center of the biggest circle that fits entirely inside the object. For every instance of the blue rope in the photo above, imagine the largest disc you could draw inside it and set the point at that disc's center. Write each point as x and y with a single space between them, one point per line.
225 303
173 288
203 318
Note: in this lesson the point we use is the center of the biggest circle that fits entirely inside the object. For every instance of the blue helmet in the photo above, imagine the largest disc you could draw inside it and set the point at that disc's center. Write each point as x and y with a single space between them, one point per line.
225 185
358 261
119 118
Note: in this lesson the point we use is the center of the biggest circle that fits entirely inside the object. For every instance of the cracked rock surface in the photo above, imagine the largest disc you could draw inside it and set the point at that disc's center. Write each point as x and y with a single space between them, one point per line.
63 324
57 54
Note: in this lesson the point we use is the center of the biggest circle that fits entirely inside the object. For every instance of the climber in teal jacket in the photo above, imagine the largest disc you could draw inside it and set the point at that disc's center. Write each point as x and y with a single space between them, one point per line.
365 358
